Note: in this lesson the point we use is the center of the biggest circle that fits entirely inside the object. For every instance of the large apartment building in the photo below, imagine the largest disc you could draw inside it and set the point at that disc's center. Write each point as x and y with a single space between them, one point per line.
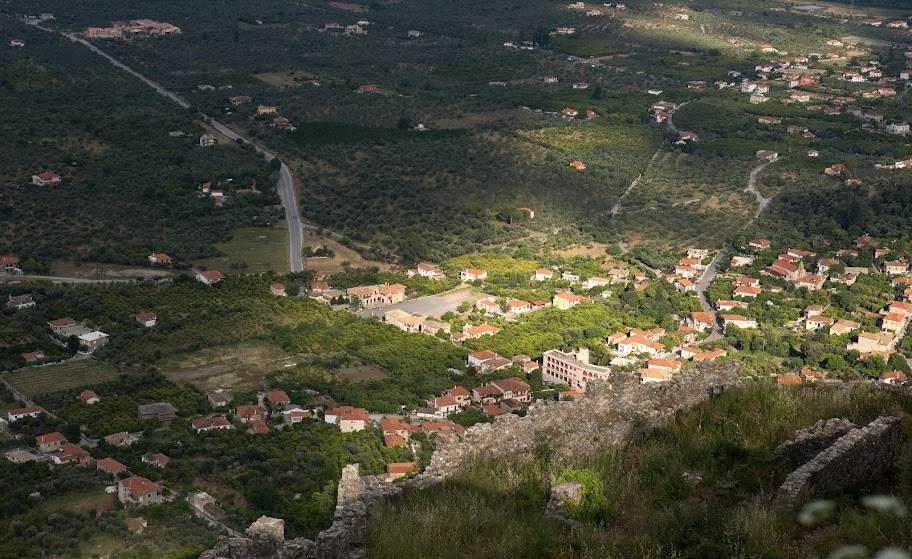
572 369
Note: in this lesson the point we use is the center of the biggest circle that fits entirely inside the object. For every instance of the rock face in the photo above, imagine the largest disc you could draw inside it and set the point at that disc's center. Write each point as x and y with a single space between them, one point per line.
610 414
808 443
858 454
569 492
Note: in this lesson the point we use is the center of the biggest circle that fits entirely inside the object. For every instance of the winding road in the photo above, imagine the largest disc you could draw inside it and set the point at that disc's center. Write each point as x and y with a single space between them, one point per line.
285 186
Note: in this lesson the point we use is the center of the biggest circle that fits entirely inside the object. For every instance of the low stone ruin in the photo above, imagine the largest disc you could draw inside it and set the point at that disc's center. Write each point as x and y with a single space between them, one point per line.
859 453
808 443
562 495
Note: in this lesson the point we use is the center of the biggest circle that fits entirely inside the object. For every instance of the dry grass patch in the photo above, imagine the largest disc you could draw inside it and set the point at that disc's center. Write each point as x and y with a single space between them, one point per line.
361 373
241 367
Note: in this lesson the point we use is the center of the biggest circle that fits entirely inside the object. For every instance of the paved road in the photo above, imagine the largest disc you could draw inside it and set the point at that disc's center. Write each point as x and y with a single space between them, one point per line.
703 291
432 305
285 186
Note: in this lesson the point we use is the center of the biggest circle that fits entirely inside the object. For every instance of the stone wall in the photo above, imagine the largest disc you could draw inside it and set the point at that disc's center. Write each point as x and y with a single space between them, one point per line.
860 453
808 443
611 413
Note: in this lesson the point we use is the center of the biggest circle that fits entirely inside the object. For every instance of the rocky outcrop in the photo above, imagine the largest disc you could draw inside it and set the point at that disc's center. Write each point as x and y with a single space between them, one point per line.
858 454
562 496
611 413
808 443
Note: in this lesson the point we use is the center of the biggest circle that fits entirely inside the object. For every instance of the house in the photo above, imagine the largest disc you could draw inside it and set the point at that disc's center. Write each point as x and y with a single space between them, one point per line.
684 285
710 355
487 394
444 405
787 270
49 442
760 244
34 356
881 342
473 332
789 379
427 270
376 295
566 300
290 417
569 113
219 399
120 439
138 491
462 396
701 320
278 398
258 427
159 258
17 43
894 322
581 85
637 344
729 305
572 368
769 120
844 326
397 470
239 100
594 282
654 375
9 264
746 291
265 110
206 140
93 340
147 319
249 413
367 88
20 302
738 320
209 277
473 274
896 267
22 413
71 454
543 274
348 419
895 378
282 123
811 282
405 321
514 388
578 165
162 411
110 466
518 306
278 290
46 179
88 397
211 424
157 459
815 322
767 155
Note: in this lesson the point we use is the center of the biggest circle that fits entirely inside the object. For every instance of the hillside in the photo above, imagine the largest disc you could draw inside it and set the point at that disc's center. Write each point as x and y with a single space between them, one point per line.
701 486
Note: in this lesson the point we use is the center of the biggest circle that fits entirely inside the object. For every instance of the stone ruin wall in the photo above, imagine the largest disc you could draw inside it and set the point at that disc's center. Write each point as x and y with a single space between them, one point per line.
612 413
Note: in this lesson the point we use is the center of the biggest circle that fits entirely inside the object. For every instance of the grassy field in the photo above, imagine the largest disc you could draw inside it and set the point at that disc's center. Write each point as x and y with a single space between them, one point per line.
83 502
261 249
54 378
240 367
343 254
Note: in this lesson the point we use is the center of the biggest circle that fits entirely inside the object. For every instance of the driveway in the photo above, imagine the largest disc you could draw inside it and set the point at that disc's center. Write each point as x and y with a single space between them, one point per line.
432 305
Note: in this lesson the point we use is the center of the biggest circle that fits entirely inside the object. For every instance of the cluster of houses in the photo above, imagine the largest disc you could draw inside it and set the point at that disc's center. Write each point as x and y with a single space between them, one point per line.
893 319
89 339
133 29
351 29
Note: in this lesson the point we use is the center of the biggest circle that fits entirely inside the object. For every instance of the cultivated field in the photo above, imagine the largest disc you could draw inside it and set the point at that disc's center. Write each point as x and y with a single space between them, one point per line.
261 249
54 378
